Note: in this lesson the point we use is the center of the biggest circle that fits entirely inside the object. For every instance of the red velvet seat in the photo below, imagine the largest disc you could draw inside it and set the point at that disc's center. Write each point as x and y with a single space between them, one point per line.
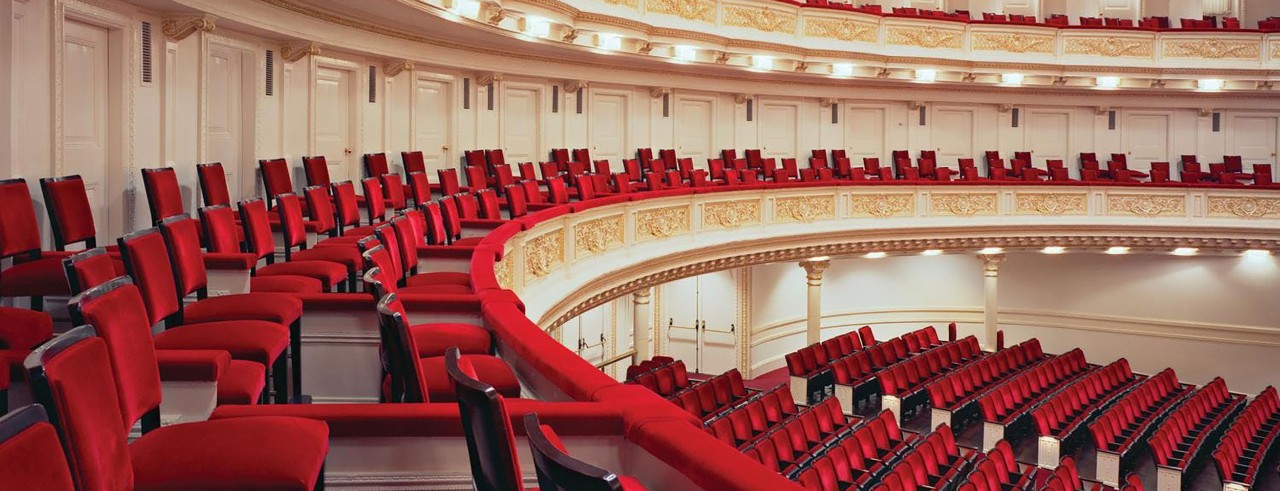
557 471
260 242
405 236
425 379
34 273
73 375
164 195
293 229
428 339
276 177
222 239
30 455
70 214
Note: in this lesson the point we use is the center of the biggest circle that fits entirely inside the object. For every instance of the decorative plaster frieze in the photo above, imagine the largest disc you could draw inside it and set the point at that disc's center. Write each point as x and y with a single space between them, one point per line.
804 208
1016 42
845 29
730 214
543 253
1109 47
882 205
662 222
1146 205
1051 203
597 235
761 19
1244 206
502 271
963 204
695 10
1212 48
926 37
393 69
295 52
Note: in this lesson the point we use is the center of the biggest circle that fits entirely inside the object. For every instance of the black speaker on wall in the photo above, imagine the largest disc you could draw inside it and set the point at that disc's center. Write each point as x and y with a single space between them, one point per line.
466 93
922 113
555 99
1217 122
751 109
1111 120
1015 113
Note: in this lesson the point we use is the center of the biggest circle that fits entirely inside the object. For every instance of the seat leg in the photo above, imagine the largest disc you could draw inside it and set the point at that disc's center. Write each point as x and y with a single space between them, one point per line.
320 478
280 379
151 420
4 401
295 355
37 304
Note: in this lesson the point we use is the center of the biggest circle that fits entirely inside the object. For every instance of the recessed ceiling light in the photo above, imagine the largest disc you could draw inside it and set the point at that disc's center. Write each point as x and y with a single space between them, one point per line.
684 53
1011 78
1257 253
991 250
762 62
875 255
1054 250
819 259
1107 82
931 252
611 42
1118 250
842 69
1211 84
926 75
1185 251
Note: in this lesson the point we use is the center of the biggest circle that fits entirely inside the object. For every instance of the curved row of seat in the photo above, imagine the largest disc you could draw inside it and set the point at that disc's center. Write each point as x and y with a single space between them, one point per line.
707 399
906 377
930 462
761 414
998 471
794 438
956 391
812 359
820 378
1070 409
1250 441
1185 439
648 366
666 380
1124 428
1010 401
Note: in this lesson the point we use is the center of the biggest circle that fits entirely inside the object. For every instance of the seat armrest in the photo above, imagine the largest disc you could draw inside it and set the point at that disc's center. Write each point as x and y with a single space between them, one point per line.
181 365
238 261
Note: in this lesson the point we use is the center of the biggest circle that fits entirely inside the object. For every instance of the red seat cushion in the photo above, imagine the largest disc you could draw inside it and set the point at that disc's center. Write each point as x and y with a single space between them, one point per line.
37 278
346 256
489 369
630 483
327 272
33 459
24 328
433 339
265 452
242 383
285 284
468 241
280 308
439 278
344 241
258 341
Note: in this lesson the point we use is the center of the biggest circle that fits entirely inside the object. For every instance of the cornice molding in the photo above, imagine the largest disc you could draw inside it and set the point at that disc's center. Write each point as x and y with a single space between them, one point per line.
294 52
393 69
177 27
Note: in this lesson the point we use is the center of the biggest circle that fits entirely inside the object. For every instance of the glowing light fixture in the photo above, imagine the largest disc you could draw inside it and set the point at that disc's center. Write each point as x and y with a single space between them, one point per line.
607 41
926 75
1011 78
467 8
1185 251
819 259
1257 253
842 69
1211 84
684 53
931 252
1107 82
1054 250
762 62
875 255
991 250
537 26
1118 250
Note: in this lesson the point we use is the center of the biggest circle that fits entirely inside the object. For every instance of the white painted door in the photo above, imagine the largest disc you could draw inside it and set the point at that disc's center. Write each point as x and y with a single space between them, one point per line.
953 133
589 340
1253 138
680 320
779 123
432 129
333 122
1048 135
1147 138
86 63
718 309
1120 9
693 128
521 128
864 133
223 123
608 126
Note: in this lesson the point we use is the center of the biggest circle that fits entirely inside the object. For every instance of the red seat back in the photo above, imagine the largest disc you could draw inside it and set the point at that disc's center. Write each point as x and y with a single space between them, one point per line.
19 233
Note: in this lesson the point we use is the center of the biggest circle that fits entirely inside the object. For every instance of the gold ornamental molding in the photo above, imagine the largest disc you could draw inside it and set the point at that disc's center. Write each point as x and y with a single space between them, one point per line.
761 19
926 37
177 27
502 271
1213 48
963 204
1109 46
694 10
543 253
843 29
394 69
804 209
631 4
598 235
882 205
731 213
295 52
1146 205
1013 42
1274 49
1052 204
488 78
1244 206
659 223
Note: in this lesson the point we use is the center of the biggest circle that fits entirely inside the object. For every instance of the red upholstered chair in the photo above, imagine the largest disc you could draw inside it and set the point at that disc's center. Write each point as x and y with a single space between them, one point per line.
425 378
1262 175
473 158
401 239
213 184
164 195
223 239
118 314
147 260
495 157
346 209
375 204
275 177
1116 167
495 464
1159 172
413 161
35 273
70 214
294 228
419 187
260 242
449 184
393 189
871 165
375 164
582 155
72 376
476 177
316 170
557 471
30 455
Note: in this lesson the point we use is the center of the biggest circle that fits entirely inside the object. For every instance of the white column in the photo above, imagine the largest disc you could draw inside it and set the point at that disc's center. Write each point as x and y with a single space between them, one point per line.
813 269
990 273
641 324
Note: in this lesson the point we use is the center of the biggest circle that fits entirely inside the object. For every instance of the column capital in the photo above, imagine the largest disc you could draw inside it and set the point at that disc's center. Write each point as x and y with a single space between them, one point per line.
642 296
991 263
813 268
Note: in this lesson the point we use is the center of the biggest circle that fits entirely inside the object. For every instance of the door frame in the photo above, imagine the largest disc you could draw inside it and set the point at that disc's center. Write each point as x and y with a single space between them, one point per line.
249 83
713 100
1126 133
626 116
355 119
846 127
761 103
934 128
1230 129
122 62
450 125
1027 128
540 139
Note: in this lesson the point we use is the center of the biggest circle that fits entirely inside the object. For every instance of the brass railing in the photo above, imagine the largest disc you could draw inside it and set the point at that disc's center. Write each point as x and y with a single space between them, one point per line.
616 358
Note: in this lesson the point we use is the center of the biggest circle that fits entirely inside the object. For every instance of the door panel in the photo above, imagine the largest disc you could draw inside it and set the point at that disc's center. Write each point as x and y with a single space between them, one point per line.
1253 139
1147 138
693 128
1123 9
953 133
1048 135
718 308
431 121
680 320
608 127
520 124
864 133
85 65
778 126
333 122
223 119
